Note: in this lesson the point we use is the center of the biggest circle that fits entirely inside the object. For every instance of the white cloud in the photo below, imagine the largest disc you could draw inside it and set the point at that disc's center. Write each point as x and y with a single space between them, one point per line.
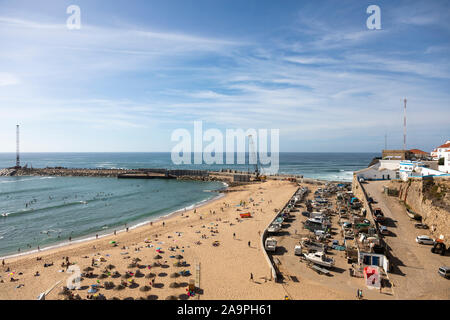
8 79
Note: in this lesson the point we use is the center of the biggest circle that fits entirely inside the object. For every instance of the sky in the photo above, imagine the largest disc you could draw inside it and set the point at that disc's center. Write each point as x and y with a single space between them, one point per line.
138 70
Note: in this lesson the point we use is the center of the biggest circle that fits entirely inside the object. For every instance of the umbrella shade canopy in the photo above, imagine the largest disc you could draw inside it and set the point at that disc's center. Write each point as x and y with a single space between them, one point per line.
110 266
150 275
174 275
152 297
132 265
174 285
154 264
179 256
144 288
87 269
171 298
157 257
136 260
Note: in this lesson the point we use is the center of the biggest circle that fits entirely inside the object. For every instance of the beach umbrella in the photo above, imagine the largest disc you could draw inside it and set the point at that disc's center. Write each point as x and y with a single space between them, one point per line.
157 257
132 265
126 275
136 260
110 266
154 264
174 285
129 298
138 274
152 297
150 275
179 256
174 275
119 287
171 298
87 269
144 288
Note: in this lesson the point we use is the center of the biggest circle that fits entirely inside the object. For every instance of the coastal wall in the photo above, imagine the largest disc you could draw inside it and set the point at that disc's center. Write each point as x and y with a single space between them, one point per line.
429 197
359 192
264 237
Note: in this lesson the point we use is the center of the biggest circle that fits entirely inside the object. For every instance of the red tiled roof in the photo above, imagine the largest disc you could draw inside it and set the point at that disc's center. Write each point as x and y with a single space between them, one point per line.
445 145
417 151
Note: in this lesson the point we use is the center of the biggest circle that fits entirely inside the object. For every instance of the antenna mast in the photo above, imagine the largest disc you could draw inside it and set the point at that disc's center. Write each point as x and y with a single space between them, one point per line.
252 154
404 125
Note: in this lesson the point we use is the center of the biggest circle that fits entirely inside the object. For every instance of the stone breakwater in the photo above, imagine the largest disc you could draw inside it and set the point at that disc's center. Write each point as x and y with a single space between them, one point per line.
122 173
64 172
227 176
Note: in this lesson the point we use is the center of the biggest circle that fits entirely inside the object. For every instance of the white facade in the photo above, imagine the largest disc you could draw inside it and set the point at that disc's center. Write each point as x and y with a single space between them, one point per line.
440 151
390 164
446 167
376 172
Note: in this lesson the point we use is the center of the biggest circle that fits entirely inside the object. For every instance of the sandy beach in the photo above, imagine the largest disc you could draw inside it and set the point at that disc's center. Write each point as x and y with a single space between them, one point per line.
225 269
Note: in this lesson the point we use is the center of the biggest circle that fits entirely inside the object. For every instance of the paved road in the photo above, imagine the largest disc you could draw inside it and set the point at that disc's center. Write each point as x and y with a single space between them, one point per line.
415 267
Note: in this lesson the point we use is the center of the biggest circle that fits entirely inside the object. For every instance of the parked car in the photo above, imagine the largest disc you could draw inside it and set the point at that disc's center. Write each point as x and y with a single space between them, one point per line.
421 226
444 272
424 240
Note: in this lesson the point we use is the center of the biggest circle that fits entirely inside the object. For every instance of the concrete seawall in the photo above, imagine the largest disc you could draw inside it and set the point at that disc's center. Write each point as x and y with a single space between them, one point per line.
264 236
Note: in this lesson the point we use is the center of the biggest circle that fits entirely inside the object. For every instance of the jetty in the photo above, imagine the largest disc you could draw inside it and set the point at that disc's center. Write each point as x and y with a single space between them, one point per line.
229 176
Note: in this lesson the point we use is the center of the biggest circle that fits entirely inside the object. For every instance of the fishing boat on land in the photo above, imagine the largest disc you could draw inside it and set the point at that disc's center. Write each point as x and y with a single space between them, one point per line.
274 227
320 258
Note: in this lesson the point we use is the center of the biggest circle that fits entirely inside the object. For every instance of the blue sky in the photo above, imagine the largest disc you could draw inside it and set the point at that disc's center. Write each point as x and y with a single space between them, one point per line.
137 70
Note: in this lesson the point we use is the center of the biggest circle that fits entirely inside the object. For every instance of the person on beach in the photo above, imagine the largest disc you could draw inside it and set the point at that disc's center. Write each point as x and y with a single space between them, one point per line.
234 235
114 232
249 243
127 229
251 276
96 236
3 262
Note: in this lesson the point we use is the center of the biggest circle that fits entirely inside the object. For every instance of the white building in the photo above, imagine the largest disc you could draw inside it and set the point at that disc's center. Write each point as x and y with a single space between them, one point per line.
440 151
446 167
378 172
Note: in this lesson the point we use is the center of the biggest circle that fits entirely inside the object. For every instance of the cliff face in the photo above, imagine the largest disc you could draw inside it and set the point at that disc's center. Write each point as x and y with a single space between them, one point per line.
431 199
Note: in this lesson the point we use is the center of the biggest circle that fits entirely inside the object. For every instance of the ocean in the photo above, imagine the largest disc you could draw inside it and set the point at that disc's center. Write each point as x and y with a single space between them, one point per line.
46 211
